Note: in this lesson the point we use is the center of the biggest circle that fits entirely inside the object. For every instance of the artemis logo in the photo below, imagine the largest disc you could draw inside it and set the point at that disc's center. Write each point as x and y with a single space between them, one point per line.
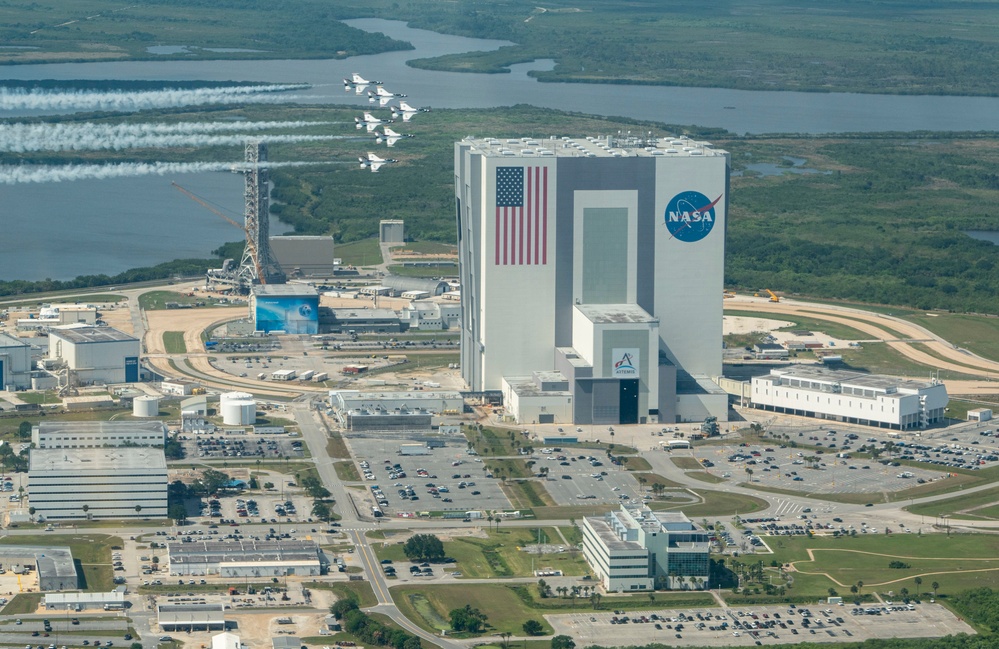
690 216
626 364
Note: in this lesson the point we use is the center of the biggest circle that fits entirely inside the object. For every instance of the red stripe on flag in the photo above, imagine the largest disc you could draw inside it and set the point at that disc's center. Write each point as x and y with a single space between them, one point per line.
496 236
530 230
506 230
544 217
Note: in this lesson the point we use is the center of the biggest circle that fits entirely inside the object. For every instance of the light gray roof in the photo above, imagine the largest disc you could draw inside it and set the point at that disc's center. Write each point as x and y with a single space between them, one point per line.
591 147
399 283
285 290
96 459
80 335
48 427
6 340
615 313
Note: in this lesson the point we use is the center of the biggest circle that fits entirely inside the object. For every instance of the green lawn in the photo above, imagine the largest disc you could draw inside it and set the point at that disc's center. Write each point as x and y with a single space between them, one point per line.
976 333
716 503
23 604
959 506
157 300
336 448
92 552
346 471
527 494
437 270
686 463
365 252
428 606
174 343
956 562
500 555
833 329
360 589
39 397
489 441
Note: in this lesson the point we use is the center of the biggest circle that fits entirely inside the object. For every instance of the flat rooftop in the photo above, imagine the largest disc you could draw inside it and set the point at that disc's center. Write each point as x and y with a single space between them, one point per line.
6 340
79 335
592 147
846 377
609 538
285 290
347 314
242 551
96 459
78 427
527 386
615 313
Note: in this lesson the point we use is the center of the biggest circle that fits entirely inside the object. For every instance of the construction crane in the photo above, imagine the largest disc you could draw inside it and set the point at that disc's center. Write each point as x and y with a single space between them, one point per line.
773 296
250 243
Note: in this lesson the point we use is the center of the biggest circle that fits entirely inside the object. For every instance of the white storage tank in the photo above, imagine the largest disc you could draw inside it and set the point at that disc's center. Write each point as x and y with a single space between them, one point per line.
239 412
234 396
145 406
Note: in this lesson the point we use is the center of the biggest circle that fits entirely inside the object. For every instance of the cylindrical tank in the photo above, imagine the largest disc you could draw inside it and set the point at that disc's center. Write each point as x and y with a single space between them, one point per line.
145 406
234 396
239 412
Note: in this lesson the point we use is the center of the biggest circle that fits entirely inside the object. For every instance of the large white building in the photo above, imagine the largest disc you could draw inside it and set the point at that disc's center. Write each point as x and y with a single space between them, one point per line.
246 558
96 434
15 363
601 259
96 354
98 483
639 549
851 397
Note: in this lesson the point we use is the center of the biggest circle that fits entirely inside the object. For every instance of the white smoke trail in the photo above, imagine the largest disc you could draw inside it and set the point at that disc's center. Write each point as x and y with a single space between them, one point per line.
15 175
39 99
20 138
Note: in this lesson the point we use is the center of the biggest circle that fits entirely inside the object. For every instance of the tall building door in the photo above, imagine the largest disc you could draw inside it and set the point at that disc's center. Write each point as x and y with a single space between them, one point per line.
629 401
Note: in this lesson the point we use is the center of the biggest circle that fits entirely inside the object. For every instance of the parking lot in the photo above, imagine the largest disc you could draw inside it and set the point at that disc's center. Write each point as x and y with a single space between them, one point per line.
222 444
445 468
833 471
759 625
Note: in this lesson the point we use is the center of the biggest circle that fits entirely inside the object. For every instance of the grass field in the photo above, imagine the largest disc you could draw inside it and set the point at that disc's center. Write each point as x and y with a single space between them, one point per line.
704 476
976 333
654 478
429 606
957 562
91 552
336 448
346 471
23 604
488 441
365 252
686 463
527 494
500 555
157 300
974 506
437 270
360 589
833 329
173 342
715 503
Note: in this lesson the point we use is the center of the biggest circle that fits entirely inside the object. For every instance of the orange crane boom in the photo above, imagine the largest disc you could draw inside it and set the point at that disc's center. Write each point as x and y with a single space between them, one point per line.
250 244
773 296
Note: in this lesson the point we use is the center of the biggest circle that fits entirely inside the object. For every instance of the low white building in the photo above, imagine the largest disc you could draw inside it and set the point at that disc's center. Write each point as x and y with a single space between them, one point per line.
635 549
96 354
244 559
980 414
543 398
97 434
852 397
191 617
111 601
98 483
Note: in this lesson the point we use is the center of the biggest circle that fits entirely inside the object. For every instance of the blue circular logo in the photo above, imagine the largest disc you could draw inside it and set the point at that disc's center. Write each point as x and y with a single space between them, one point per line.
690 216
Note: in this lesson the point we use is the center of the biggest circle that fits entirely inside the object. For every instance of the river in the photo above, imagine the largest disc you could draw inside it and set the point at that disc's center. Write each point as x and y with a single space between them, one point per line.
82 227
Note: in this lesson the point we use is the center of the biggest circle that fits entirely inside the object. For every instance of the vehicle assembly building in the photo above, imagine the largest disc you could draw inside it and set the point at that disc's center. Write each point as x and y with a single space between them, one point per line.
98 483
852 397
291 308
600 259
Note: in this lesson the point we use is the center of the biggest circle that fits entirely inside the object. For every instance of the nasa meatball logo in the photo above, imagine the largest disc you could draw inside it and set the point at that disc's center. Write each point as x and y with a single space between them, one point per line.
690 216
305 311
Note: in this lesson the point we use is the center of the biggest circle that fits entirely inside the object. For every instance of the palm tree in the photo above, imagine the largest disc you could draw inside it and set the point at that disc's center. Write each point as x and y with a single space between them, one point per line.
86 508
860 586
749 473
935 586
919 582
595 599
138 508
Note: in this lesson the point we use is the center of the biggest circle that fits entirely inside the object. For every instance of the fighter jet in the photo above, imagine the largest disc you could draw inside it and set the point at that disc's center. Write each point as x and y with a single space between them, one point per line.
389 137
374 162
358 80
406 112
370 122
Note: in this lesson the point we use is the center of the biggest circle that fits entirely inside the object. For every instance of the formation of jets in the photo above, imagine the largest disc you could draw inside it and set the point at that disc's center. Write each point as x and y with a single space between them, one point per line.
371 123
375 163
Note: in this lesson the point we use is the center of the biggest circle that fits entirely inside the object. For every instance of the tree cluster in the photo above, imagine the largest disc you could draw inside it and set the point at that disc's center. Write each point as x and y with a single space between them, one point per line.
424 547
369 630
468 619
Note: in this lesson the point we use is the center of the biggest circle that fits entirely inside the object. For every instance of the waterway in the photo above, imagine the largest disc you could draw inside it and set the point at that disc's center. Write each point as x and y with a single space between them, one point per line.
71 228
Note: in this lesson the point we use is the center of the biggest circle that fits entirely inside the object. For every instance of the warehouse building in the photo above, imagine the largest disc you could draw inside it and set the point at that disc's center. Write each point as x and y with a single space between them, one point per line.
98 483
438 402
96 355
96 434
191 617
426 315
542 398
111 601
56 315
851 397
290 308
600 258
53 565
361 320
15 363
247 558
304 256
634 549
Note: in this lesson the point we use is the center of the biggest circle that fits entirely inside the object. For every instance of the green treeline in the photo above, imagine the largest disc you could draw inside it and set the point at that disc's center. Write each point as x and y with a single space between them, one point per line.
370 631
180 267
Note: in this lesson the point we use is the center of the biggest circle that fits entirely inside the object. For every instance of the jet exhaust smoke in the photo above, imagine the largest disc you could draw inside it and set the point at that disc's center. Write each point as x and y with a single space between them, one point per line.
18 174
39 99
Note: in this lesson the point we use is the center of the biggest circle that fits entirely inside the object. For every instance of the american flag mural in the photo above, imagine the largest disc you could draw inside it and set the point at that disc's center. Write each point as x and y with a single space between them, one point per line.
521 216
